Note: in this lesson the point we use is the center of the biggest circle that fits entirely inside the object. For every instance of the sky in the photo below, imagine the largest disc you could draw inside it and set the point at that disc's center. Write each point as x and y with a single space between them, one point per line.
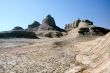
24 12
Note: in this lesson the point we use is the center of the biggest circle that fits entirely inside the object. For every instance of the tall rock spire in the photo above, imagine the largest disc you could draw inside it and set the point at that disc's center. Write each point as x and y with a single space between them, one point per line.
49 20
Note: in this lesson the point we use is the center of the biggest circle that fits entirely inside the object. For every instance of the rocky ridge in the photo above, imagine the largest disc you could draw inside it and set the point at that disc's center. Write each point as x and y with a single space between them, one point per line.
48 28
85 28
85 49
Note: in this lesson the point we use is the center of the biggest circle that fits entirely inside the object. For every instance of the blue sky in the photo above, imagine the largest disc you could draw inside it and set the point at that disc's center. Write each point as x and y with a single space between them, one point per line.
24 12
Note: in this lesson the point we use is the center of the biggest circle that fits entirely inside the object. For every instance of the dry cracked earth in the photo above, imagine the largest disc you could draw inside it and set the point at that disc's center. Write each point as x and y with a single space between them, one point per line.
55 55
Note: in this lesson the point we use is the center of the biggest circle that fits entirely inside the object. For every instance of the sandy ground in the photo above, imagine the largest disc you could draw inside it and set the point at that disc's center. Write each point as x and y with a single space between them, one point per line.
55 55
33 56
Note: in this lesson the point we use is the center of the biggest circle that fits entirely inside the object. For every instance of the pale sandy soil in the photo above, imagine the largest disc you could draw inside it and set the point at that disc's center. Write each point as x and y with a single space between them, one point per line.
33 56
55 55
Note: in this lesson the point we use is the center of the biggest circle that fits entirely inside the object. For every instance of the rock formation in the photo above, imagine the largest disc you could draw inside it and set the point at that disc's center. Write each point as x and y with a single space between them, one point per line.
87 53
48 23
85 27
18 32
34 26
49 26
70 26
78 23
18 28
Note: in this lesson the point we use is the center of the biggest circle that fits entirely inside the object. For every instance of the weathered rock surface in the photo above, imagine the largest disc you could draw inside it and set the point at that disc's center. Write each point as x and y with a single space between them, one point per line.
48 23
86 28
89 53
34 26
48 27
78 23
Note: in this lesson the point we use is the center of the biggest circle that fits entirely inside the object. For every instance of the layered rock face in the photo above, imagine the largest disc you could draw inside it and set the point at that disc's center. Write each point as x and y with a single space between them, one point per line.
85 27
78 23
49 27
92 55
34 26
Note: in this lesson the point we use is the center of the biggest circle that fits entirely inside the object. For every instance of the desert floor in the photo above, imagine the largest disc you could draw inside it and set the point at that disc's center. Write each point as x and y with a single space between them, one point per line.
55 55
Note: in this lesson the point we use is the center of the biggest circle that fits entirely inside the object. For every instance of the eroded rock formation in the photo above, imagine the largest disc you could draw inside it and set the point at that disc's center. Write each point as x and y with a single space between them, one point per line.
48 27
34 26
85 27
